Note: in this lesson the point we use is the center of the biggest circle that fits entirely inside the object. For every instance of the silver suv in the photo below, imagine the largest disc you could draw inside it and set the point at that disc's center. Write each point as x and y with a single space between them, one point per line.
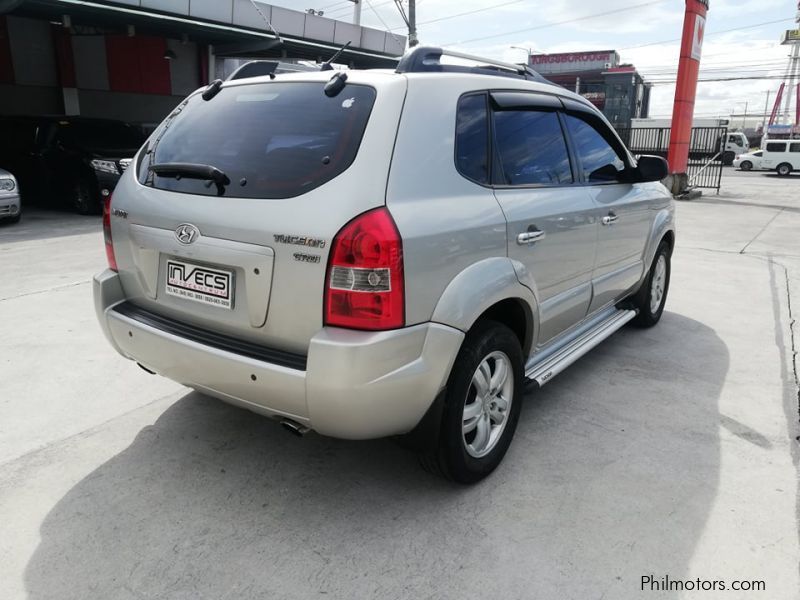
379 253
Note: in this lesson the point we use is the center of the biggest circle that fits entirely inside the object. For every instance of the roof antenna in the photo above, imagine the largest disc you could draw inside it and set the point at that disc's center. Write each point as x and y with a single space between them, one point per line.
266 20
327 66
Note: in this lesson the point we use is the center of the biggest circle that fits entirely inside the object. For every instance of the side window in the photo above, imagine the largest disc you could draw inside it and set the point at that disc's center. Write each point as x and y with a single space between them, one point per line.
732 139
532 148
599 161
794 147
776 147
472 138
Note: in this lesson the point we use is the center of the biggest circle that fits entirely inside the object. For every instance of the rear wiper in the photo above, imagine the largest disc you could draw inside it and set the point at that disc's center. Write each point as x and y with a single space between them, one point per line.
193 171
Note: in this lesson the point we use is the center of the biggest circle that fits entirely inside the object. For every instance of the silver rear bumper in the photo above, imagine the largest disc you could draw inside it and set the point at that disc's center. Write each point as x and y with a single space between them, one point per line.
356 385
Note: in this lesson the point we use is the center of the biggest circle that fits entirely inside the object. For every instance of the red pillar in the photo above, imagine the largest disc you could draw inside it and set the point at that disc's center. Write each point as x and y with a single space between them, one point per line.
797 102
777 106
694 24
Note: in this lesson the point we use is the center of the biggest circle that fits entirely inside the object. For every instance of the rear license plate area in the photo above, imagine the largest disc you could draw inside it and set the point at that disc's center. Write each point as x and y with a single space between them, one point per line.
199 283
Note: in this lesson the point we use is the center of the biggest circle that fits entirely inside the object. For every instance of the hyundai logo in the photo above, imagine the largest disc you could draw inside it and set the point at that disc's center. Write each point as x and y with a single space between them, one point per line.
187 233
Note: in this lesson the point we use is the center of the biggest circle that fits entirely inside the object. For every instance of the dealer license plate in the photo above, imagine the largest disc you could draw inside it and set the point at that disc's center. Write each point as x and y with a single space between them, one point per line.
200 284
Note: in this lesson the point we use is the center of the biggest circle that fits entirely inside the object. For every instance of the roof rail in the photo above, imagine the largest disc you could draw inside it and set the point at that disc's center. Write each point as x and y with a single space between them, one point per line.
428 59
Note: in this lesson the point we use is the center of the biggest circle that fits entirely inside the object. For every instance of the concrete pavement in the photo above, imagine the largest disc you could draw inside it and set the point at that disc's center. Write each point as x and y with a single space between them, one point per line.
665 452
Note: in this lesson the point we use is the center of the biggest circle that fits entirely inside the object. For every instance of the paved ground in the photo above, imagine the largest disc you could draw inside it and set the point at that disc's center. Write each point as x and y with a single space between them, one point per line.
667 452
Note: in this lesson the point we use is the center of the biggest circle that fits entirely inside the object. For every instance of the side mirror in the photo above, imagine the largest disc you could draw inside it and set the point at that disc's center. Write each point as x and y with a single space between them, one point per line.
651 168
605 173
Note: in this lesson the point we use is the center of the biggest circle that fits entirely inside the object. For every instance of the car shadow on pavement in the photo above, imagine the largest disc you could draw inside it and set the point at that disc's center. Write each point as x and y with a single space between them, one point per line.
611 477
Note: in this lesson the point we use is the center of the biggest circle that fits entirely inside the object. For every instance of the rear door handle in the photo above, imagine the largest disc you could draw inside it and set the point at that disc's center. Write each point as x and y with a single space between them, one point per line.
529 237
610 219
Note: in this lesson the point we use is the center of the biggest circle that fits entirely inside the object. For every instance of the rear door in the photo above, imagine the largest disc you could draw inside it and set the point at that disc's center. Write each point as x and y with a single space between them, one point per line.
794 155
551 226
622 209
248 257
774 153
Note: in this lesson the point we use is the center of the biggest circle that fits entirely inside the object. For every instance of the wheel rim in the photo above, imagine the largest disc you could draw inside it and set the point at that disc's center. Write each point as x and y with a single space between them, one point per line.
658 284
746 166
783 170
488 404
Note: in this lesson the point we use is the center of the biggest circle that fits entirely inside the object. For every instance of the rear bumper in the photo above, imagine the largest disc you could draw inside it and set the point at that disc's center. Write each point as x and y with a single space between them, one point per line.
356 385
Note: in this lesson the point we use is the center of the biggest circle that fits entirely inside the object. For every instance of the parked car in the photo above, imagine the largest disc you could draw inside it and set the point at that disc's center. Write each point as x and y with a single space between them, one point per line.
68 161
10 202
750 161
782 156
375 254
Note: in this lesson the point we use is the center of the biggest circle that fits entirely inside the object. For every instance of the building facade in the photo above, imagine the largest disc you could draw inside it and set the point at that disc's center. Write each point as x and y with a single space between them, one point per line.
616 89
135 60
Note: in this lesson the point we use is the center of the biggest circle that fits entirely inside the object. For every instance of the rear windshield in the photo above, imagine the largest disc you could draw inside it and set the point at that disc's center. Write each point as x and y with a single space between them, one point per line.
272 140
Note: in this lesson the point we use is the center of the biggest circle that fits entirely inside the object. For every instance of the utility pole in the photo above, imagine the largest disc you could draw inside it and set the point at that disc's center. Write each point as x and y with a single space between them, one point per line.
766 113
694 25
356 12
744 118
412 23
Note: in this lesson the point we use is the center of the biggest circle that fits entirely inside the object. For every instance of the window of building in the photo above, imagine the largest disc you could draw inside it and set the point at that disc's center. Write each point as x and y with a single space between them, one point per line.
532 148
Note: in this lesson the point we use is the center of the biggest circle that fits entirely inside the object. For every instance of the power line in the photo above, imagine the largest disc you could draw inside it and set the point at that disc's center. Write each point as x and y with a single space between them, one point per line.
336 4
372 8
466 13
708 34
745 78
557 23
343 10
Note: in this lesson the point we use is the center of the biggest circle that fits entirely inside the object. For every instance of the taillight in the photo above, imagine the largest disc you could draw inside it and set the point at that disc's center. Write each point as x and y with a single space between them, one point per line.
112 260
364 283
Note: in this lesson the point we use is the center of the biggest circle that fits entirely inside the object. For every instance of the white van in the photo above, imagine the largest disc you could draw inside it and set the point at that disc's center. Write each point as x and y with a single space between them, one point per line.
782 156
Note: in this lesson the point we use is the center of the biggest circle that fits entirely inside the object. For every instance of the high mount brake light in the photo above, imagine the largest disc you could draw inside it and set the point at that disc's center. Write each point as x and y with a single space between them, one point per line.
112 260
364 283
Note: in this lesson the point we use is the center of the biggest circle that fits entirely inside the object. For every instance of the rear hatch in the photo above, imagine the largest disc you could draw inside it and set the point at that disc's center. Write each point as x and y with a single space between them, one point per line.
233 234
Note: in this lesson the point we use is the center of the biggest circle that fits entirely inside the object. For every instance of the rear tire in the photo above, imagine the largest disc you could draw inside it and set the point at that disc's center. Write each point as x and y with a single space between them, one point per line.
652 296
84 198
728 158
746 165
784 169
482 405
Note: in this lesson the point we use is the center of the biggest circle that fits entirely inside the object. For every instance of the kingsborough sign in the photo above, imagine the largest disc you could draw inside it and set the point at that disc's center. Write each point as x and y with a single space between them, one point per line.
575 61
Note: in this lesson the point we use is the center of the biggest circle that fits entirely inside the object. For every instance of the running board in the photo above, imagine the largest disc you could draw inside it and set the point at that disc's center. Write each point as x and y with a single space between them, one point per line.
543 370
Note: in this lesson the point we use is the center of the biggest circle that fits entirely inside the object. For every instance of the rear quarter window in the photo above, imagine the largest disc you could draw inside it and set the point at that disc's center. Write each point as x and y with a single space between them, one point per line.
272 140
472 138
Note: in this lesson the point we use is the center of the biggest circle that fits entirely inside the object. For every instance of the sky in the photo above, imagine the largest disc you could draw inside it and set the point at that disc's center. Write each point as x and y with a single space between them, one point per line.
644 32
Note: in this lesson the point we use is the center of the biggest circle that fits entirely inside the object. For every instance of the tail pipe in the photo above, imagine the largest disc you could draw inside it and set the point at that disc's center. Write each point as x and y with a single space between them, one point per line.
294 427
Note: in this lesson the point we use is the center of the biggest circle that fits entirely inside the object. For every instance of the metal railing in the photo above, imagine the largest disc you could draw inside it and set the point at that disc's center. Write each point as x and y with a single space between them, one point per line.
705 150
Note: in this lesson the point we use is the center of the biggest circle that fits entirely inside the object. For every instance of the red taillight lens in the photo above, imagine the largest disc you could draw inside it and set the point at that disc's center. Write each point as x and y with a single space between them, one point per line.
364 284
112 260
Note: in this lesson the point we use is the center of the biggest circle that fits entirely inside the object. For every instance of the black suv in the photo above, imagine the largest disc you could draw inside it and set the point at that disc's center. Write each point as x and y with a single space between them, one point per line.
67 161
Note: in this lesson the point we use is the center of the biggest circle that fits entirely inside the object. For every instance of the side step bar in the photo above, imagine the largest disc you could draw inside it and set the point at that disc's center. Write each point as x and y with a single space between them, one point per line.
542 371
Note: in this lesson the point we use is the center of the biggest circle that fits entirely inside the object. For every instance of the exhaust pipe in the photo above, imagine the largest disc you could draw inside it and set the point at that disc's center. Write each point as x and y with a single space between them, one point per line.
294 427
